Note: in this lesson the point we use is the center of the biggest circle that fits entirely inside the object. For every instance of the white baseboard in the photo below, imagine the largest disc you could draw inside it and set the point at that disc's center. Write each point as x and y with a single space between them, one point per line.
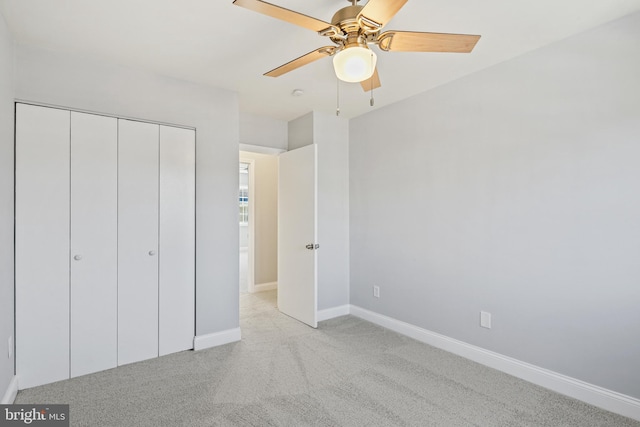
11 393
265 287
330 313
589 393
201 342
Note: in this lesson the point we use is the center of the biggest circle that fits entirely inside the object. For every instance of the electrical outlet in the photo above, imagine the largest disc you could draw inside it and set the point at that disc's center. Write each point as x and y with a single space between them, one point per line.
376 291
10 347
485 319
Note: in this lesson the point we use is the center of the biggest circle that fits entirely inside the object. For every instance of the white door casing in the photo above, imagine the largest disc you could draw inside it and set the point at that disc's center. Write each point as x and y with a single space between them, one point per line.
251 227
297 234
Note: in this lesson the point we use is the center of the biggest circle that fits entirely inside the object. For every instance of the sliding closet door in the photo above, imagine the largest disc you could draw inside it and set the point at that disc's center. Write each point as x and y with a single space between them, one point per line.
94 243
42 245
138 170
177 239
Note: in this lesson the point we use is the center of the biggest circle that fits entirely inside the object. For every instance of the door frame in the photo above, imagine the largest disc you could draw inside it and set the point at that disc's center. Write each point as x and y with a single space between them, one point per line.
251 243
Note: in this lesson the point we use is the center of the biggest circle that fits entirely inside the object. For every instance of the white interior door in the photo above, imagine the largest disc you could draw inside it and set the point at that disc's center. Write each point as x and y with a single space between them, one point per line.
138 168
94 243
177 240
42 245
297 234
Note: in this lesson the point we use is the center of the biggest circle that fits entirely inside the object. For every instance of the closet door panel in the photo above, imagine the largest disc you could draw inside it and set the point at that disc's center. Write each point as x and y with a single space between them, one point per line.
94 243
138 156
177 239
42 245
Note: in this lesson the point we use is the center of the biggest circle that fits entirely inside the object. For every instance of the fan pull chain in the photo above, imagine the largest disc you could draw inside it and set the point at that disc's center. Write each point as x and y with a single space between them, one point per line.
337 97
372 101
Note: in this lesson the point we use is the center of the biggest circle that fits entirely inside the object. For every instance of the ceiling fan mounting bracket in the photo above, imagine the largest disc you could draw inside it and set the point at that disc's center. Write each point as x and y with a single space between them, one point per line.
368 25
332 32
384 41
328 50
371 37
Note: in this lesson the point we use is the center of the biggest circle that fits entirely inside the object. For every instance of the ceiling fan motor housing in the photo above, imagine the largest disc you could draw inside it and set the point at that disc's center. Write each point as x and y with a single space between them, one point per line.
347 20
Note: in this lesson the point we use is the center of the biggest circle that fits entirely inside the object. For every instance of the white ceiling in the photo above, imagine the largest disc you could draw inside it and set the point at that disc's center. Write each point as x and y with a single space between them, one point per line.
213 42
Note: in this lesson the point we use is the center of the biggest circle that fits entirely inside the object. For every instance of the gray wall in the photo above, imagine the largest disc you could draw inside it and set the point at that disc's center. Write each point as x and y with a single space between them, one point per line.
6 203
263 131
331 134
264 196
80 83
515 190
300 132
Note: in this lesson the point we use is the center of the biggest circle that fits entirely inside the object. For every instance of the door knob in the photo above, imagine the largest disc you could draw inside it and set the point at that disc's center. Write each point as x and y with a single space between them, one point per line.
312 246
152 253
77 257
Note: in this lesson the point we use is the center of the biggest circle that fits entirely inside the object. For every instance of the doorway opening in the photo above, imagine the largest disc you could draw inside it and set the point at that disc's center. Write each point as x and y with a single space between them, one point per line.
279 190
258 221
243 224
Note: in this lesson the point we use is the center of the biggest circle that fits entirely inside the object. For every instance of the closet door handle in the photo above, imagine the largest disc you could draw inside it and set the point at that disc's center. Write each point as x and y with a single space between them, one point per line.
77 257
152 253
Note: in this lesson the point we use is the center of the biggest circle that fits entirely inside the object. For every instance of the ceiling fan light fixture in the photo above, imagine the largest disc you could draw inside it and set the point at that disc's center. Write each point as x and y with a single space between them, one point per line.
354 63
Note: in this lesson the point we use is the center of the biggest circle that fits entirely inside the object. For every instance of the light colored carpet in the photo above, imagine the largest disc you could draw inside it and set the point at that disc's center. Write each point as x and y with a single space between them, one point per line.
348 372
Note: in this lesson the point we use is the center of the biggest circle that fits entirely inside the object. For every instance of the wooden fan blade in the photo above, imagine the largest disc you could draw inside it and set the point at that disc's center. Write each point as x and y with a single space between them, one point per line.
410 41
372 82
302 61
381 11
283 14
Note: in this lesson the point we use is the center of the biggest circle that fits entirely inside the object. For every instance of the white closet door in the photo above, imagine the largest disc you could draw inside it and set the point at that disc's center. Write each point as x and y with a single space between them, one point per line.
94 244
138 149
42 245
177 239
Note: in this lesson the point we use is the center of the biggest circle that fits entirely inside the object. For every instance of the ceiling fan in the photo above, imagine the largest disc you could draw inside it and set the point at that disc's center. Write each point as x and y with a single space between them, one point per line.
352 29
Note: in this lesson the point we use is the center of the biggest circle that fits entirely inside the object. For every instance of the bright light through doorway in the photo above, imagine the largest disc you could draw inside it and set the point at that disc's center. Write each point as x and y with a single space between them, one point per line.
243 222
